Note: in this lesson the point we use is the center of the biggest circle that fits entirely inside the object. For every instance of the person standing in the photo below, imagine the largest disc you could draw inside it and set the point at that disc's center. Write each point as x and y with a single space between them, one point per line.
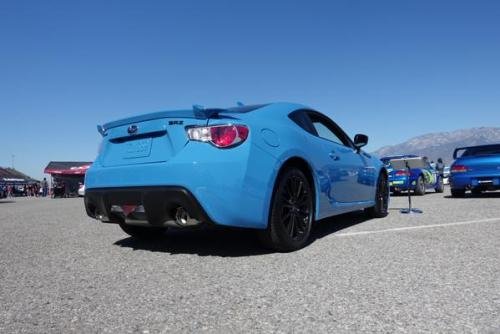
45 187
440 166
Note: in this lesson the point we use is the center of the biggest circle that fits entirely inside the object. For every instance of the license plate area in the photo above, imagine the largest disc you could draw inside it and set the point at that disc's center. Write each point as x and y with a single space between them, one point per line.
139 148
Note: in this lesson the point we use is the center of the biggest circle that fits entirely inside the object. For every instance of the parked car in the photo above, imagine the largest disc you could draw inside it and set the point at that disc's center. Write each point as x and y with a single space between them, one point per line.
3 191
272 167
446 175
419 179
81 190
476 168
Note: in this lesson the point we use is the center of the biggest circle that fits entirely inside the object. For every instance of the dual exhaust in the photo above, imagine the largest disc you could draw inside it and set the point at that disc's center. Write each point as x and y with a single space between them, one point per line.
136 215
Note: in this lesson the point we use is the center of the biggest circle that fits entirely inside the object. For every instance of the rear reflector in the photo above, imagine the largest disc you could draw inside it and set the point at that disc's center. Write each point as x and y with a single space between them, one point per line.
459 169
222 136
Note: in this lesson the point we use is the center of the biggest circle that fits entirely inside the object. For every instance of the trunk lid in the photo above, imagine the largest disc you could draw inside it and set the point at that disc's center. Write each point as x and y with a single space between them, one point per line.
149 138
481 163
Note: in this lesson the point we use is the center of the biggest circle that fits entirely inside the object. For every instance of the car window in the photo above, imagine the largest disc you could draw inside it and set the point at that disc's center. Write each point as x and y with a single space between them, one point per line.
327 129
326 133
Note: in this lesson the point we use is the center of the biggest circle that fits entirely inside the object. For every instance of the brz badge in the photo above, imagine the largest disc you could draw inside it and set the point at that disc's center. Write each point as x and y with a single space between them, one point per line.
132 129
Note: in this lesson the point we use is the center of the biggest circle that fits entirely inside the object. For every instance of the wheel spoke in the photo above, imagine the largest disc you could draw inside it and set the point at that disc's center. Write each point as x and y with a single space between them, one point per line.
286 217
291 226
299 194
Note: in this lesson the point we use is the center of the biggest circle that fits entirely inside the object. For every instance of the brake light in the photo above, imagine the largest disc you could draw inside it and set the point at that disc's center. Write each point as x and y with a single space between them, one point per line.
402 172
459 169
222 136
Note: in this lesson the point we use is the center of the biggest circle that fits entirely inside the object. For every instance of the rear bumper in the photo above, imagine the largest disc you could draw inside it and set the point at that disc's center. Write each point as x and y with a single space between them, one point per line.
399 183
233 187
158 204
484 182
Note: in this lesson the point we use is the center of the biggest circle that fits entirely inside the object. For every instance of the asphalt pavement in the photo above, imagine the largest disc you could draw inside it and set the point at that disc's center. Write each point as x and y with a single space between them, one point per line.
62 272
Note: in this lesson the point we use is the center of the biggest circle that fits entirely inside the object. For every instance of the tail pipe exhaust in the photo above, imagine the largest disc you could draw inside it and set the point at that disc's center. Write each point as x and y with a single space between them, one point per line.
183 219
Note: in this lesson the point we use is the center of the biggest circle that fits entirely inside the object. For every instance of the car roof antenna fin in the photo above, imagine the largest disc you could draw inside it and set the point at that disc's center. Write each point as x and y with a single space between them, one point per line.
240 104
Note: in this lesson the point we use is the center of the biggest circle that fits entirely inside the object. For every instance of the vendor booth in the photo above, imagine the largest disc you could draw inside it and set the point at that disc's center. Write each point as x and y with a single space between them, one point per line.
66 177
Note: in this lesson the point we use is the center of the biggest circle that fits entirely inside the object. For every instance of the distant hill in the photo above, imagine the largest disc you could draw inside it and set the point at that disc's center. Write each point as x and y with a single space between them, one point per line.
442 144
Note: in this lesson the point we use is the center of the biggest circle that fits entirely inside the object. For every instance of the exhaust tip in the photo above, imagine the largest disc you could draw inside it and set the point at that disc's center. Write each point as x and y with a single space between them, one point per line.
182 216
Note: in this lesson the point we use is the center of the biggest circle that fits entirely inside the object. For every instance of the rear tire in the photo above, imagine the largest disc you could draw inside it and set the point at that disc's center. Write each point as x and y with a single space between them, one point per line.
381 207
420 186
476 192
292 212
440 186
457 192
142 232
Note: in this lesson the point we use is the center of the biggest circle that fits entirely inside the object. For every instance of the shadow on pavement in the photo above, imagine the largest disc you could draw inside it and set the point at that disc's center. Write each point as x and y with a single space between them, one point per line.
228 242
6 201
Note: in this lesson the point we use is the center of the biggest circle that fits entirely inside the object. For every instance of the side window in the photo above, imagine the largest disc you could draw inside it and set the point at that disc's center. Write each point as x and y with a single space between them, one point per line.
301 119
327 129
325 132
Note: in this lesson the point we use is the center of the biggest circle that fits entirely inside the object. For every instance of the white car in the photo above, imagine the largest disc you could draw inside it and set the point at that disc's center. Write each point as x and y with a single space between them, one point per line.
446 175
81 190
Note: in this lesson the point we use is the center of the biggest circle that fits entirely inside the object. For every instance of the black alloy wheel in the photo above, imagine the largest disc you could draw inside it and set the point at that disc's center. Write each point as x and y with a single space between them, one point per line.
291 214
381 207
420 186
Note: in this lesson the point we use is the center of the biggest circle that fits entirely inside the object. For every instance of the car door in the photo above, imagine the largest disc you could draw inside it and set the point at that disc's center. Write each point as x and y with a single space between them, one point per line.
339 161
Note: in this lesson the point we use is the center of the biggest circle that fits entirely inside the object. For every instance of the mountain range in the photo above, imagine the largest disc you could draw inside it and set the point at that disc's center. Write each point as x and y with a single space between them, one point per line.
442 144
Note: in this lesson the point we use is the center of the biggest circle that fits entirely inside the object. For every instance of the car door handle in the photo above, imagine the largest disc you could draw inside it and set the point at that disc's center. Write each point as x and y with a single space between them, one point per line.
333 156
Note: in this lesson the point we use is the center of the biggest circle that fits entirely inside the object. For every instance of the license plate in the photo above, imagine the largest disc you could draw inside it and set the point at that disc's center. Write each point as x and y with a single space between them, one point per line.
139 148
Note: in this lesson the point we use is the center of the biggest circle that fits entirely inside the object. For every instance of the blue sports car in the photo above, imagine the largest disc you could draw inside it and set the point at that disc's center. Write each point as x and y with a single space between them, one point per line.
477 169
272 167
420 179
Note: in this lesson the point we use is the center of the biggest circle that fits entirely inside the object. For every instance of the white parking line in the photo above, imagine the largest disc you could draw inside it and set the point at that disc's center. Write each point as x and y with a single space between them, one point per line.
397 229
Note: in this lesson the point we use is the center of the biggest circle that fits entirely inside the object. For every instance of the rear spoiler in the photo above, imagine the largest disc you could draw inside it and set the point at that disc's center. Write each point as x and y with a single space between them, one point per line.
197 112
455 153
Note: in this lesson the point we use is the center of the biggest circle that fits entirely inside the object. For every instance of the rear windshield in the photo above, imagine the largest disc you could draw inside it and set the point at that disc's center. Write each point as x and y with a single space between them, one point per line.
482 150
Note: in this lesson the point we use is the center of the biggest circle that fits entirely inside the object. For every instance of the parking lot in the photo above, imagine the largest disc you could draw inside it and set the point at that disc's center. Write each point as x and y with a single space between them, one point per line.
436 272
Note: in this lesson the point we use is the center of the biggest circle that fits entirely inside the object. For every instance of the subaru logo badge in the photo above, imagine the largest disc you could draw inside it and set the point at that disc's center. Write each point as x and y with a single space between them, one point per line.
132 129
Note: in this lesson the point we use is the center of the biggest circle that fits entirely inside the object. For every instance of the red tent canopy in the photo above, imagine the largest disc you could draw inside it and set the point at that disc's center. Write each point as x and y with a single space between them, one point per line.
67 167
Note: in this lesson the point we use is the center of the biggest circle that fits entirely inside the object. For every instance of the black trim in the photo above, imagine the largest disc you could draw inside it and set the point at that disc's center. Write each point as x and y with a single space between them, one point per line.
159 202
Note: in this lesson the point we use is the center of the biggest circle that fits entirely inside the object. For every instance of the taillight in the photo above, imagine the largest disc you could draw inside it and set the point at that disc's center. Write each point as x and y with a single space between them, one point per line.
459 169
402 172
222 136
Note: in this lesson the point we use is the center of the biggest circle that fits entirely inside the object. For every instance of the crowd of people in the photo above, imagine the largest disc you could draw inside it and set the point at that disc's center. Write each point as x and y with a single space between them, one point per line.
26 190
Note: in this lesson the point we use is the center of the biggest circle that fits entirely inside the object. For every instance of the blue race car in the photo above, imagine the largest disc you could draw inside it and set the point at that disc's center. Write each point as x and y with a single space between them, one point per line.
273 167
476 169
420 179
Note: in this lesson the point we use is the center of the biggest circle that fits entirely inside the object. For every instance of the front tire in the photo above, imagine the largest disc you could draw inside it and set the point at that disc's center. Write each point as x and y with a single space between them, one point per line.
292 212
381 207
142 232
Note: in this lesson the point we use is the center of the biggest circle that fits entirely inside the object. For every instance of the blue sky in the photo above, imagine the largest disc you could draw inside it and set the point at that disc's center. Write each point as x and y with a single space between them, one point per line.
373 66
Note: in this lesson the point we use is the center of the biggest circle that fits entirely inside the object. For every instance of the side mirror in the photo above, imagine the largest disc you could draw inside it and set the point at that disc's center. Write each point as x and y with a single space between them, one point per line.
360 140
